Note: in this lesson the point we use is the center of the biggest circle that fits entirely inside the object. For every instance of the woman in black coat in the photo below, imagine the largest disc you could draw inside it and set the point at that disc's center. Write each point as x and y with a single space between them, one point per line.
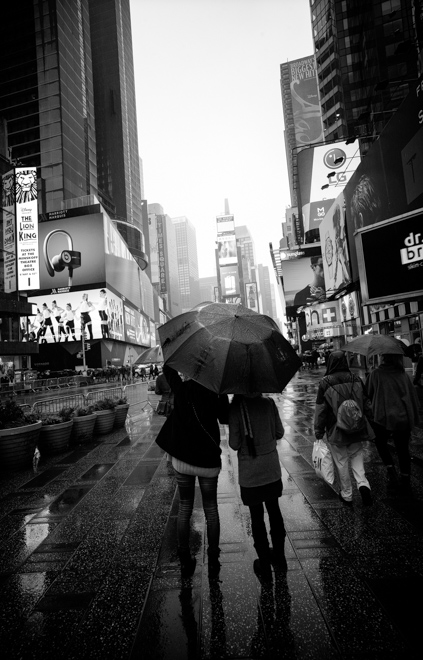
191 437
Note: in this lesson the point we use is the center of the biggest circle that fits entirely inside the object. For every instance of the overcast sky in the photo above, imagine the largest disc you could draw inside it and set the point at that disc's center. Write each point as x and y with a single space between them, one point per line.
210 120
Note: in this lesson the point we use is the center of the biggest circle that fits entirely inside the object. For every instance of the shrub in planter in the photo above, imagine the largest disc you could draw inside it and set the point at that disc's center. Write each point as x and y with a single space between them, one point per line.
105 411
122 407
55 432
84 420
19 433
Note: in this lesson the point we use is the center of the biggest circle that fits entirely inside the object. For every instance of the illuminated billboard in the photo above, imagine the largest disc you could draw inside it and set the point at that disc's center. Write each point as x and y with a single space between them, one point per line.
229 280
226 249
27 228
330 166
225 224
251 296
397 269
303 276
306 108
60 317
333 238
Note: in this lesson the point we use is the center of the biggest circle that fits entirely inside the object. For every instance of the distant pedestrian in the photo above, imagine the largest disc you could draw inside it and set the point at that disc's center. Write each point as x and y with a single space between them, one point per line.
254 427
191 437
156 371
151 372
395 411
339 385
143 374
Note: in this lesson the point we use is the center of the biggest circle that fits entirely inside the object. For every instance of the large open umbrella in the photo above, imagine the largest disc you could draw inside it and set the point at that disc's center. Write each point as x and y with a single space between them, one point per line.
369 345
229 348
150 356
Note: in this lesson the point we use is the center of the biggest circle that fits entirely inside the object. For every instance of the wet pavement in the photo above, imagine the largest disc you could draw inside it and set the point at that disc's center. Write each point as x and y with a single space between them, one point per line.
88 564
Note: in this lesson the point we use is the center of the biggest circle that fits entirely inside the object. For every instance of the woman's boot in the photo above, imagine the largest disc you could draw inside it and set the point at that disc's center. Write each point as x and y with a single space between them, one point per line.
262 567
277 553
188 563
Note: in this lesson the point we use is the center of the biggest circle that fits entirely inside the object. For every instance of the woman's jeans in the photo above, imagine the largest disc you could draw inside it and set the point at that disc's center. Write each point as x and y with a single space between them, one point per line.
208 487
258 527
401 440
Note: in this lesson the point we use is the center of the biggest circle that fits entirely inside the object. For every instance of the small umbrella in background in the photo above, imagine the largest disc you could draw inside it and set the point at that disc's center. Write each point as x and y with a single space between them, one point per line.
369 345
152 355
229 349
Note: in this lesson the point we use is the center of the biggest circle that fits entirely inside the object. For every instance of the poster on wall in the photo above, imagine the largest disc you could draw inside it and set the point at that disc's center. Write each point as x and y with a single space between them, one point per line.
306 109
229 279
60 316
27 228
303 277
225 224
333 238
137 327
251 296
9 232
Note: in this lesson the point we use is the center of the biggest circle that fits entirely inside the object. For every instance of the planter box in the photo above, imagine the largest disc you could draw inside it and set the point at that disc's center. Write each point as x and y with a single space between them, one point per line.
121 414
17 446
54 438
104 422
83 429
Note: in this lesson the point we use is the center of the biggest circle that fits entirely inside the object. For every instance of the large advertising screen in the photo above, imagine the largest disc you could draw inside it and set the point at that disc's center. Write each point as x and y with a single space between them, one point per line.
229 279
397 269
331 166
306 108
333 238
303 277
27 228
60 317
226 249
225 224
251 296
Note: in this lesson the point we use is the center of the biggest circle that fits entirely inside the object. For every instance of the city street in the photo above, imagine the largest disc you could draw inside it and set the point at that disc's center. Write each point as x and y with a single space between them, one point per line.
88 563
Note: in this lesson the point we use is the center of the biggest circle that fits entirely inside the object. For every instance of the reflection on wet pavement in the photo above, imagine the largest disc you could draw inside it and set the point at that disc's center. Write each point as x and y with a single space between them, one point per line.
89 568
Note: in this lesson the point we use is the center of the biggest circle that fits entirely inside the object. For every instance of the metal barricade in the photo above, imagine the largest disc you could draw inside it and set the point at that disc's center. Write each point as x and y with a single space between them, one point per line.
54 405
52 384
137 394
63 381
111 393
38 385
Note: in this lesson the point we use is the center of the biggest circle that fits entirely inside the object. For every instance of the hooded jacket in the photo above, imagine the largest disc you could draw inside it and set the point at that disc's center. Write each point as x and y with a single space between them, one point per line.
394 400
337 385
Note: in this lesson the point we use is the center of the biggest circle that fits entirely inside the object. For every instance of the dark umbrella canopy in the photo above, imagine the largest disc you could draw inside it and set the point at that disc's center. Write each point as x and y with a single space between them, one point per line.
229 348
369 345
150 356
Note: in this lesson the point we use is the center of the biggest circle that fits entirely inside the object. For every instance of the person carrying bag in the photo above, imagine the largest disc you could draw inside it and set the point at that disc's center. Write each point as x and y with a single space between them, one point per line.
343 411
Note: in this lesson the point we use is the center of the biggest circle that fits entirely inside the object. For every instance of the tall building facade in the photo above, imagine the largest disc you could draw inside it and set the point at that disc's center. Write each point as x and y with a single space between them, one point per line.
67 94
186 245
368 55
164 258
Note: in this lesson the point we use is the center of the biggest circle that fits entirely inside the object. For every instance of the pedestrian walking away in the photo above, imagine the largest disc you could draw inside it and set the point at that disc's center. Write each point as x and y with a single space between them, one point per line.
191 437
340 385
395 408
254 428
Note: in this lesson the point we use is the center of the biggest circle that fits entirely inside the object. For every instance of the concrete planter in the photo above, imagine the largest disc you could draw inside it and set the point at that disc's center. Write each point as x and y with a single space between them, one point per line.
17 446
104 422
83 429
121 414
54 438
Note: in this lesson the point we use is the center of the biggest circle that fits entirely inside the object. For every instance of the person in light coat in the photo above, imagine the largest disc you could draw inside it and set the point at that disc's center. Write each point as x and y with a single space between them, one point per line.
337 385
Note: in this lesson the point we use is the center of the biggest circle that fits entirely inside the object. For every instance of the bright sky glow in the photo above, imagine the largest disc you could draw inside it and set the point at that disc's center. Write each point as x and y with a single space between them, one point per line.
210 120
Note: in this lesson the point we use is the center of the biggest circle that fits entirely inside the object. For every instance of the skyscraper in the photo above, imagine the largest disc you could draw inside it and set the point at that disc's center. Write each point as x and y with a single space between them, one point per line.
368 52
67 94
186 245
164 258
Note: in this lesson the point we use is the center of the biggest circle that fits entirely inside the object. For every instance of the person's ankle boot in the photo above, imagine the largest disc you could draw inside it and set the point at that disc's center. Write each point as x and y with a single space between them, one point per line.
188 563
213 561
263 570
277 552
366 495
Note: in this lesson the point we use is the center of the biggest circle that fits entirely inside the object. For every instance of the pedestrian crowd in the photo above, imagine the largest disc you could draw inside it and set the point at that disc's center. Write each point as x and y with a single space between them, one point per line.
348 413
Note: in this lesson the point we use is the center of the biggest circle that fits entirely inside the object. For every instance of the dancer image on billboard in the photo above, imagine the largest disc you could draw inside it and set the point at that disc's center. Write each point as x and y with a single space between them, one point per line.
48 323
102 310
57 313
85 307
68 318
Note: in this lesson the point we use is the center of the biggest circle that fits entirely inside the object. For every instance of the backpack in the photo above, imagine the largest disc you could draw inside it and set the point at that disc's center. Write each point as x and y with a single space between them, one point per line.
349 416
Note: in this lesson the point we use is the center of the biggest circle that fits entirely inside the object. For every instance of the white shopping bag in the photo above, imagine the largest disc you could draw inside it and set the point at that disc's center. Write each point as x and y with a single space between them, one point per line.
323 462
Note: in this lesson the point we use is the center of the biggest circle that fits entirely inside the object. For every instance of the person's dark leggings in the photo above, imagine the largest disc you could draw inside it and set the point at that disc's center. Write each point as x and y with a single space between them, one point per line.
208 487
401 441
258 527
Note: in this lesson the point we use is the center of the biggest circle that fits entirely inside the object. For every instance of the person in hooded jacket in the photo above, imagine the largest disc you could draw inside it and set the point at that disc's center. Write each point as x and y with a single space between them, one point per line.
191 437
395 411
338 385
254 427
